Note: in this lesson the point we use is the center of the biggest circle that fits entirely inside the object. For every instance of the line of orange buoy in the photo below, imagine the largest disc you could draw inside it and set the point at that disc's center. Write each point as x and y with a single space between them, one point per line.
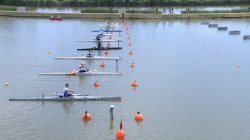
131 52
103 65
132 65
96 84
129 44
106 52
87 116
109 44
120 134
138 116
134 84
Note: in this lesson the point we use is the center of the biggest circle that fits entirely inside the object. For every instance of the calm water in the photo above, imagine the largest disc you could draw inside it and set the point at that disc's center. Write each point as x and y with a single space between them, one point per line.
186 90
177 9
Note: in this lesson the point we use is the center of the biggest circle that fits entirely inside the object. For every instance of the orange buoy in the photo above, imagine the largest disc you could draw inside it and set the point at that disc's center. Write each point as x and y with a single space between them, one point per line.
96 84
132 65
130 44
131 53
87 116
103 64
109 44
134 84
127 28
110 37
120 134
128 37
106 52
138 116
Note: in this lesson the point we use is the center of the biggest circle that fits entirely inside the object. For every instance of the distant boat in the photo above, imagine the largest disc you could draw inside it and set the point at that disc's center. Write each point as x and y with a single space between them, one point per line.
56 18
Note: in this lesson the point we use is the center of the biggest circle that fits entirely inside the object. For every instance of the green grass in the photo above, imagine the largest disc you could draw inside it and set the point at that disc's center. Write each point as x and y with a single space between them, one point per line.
242 10
7 8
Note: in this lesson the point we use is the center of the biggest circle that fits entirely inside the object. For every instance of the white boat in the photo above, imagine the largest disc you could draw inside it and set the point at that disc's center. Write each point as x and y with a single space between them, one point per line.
246 36
76 73
70 98
90 58
234 32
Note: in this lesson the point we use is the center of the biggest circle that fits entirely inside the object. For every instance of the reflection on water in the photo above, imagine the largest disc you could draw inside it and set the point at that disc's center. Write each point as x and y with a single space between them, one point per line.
67 106
111 126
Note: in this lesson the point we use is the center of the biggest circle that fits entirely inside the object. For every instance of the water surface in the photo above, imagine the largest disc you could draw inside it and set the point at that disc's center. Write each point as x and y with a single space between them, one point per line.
190 86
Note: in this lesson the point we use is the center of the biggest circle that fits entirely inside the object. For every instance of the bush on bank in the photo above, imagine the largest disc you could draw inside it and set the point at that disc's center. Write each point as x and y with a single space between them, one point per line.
114 10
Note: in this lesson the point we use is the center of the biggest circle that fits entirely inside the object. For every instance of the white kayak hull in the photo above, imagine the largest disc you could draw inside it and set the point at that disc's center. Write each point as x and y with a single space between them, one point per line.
71 98
102 35
89 73
90 58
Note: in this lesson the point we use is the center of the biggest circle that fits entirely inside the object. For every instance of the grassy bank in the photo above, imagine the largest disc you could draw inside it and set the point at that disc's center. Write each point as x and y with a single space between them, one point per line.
7 8
242 10
122 3
127 15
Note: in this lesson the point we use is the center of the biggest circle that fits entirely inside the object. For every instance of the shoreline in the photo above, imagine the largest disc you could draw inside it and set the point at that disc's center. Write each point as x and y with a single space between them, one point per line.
126 16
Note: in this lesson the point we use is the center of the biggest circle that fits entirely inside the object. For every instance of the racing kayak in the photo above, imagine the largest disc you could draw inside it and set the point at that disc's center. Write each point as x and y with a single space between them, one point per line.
76 73
94 40
106 30
90 58
102 35
102 48
70 98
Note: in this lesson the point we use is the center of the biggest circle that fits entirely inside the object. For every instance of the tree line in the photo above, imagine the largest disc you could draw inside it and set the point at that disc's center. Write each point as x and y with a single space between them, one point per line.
122 3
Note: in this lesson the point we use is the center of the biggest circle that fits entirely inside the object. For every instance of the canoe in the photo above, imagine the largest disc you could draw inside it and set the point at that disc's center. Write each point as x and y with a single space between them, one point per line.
106 30
90 58
56 18
71 98
102 35
75 73
102 48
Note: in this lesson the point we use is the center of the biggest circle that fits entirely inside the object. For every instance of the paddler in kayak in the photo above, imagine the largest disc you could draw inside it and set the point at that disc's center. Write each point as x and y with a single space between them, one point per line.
90 54
101 32
66 91
98 37
83 68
